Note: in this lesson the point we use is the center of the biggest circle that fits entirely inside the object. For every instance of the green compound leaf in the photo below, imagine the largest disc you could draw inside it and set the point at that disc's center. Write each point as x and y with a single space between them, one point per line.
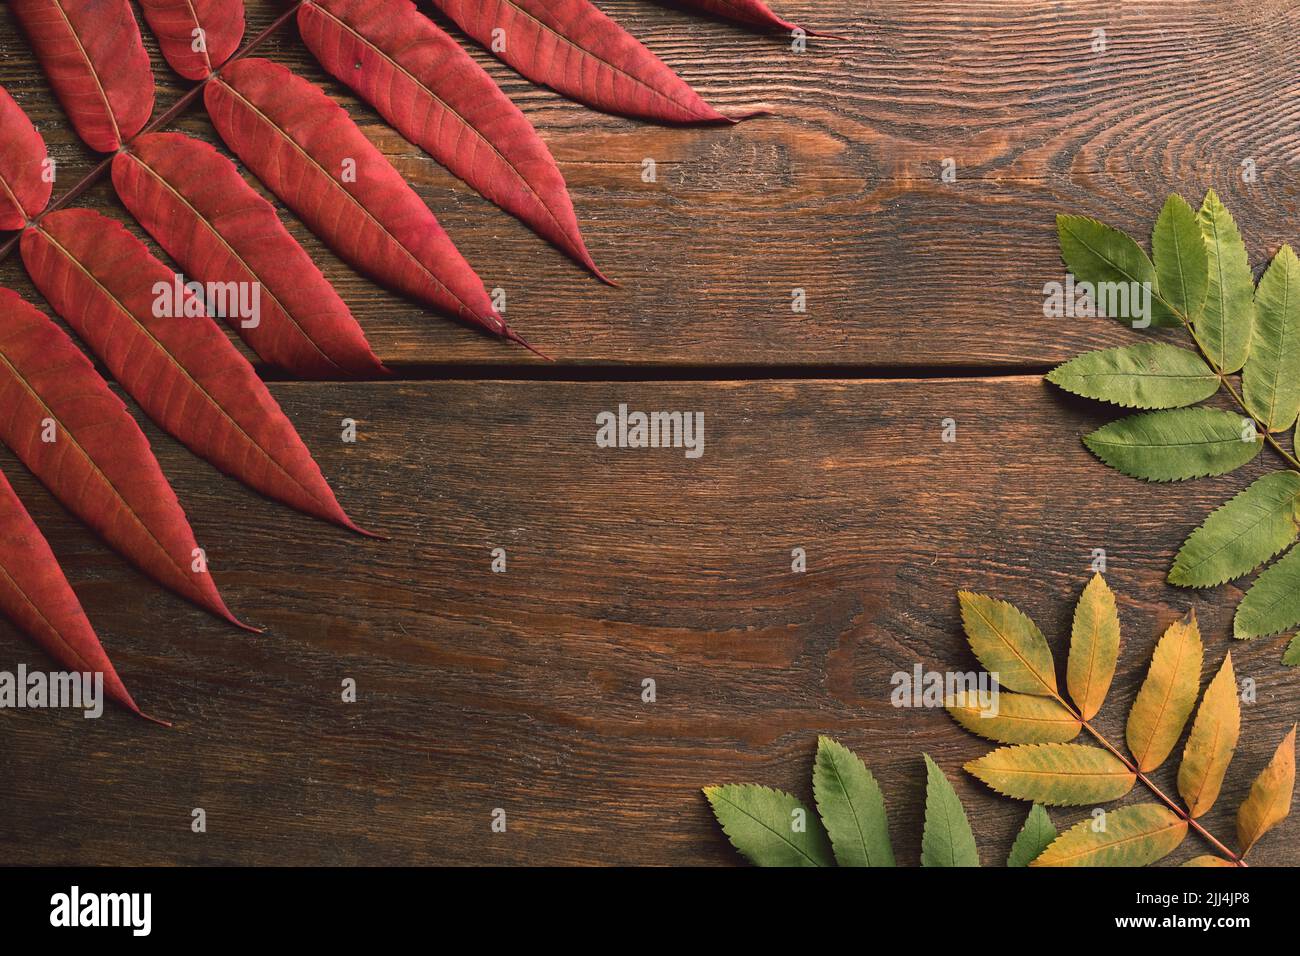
769 827
1014 718
1094 647
1034 837
1182 263
1145 375
1095 253
1226 324
947 840
1058 775
1238 537
1176 445
1271 380
1008 644
851 807
1272 605
1134 836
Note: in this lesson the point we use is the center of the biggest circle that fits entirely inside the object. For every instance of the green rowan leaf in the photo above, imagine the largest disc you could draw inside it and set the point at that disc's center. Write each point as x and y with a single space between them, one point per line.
1138 835
947 840
1176 445
1058 775
769 827
1094 647
1272 605
1226 324
1008 644
1144 375
1034 837
1014 718
1096 253
1271 380
852 807
1239 536
1182 264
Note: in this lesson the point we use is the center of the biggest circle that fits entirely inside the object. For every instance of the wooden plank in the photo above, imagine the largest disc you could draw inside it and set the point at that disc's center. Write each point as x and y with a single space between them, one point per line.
839 192
522 690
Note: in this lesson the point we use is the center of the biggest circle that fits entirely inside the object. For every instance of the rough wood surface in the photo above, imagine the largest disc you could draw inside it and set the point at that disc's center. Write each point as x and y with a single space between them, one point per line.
839 191
522 690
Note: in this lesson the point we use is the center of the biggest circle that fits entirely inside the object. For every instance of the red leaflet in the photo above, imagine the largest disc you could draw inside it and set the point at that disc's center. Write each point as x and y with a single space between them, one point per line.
307 150
178 365
434 94
76 436
195 203
576 50
36 596
196 36
95 59
752 12
24 188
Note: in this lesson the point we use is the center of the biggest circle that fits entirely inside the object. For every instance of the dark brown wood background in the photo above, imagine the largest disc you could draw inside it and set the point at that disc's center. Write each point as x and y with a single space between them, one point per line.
522 690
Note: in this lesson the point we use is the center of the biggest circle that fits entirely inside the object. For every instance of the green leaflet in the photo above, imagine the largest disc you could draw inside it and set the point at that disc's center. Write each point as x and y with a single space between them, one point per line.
1242 534
851 807
1058 775
1271 380
1167 696
1226 324
1182 264
1034 837
769 827
1008 644
1134 836
1145 375
1176 445
1291 657
1094 647
1096 253
1211 743
1015 718
1272 604
947 840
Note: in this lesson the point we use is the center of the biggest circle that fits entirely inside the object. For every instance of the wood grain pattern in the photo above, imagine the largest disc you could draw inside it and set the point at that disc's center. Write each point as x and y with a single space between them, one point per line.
522 690
838 192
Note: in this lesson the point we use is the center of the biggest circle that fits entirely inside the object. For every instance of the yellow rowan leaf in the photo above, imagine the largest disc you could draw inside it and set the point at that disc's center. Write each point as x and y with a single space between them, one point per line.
1209 860
1132 836
1094 647
1211 743
1167 696
1008 644
1269 800
1061 775
1014 718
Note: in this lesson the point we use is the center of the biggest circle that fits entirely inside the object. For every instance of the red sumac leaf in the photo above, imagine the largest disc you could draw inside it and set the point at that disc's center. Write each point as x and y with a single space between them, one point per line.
307 150
96 62
24 188
75 435
36 596
433 93
193 201
181 369
752 13
576 50
196 36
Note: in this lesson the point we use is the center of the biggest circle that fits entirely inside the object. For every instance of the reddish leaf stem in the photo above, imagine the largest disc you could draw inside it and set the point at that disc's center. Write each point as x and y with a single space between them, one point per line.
101 168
